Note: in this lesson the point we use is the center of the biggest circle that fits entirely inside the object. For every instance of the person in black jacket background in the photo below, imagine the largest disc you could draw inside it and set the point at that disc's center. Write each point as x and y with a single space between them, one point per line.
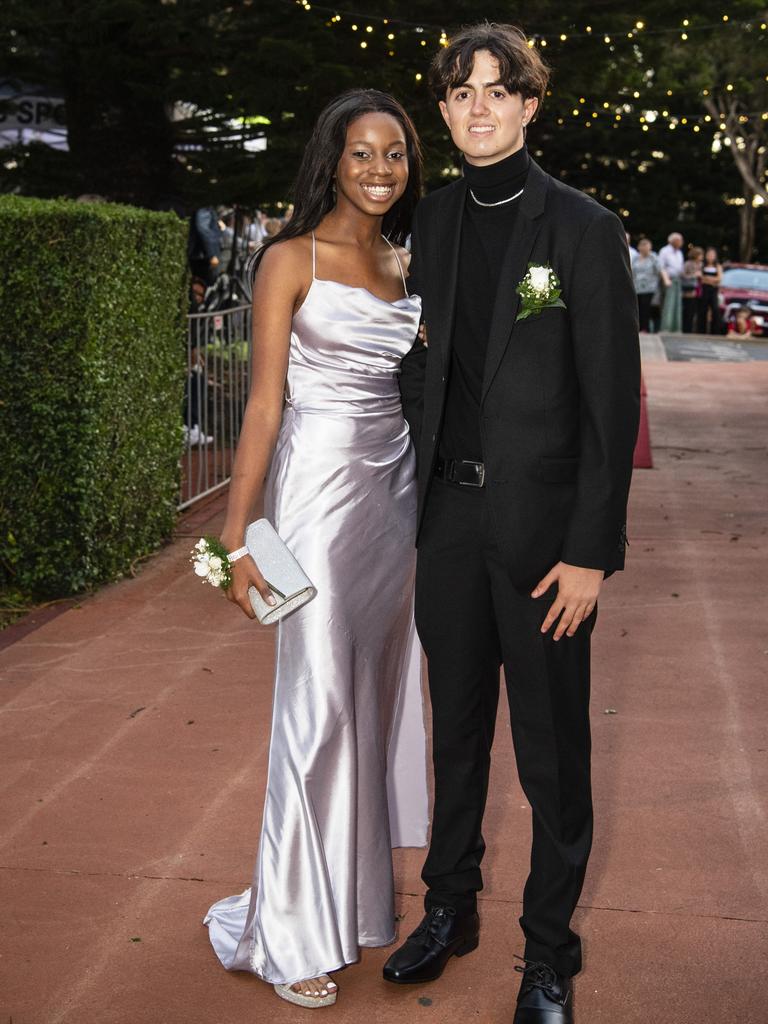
204 244
524 410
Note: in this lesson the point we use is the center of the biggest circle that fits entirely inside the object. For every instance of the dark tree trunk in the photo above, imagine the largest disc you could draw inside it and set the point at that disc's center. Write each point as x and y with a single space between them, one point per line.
747 217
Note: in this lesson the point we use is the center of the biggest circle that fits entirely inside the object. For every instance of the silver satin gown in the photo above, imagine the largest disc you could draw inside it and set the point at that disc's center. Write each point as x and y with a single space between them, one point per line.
347 762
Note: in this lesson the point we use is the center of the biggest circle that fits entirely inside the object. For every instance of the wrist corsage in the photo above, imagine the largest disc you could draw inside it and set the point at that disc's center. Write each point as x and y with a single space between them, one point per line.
211 562
539 289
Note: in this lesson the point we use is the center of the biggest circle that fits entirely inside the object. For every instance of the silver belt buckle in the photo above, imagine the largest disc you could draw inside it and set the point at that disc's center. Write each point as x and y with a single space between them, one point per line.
479 468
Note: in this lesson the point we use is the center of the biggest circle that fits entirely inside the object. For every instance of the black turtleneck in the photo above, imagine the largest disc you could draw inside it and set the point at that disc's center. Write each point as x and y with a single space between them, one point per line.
485 235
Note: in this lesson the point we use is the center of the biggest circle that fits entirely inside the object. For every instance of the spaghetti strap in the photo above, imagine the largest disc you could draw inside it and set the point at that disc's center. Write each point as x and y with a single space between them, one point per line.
399 264
314 255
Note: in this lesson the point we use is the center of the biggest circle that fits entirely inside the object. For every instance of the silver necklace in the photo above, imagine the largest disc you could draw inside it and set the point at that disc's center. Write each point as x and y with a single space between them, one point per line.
500 202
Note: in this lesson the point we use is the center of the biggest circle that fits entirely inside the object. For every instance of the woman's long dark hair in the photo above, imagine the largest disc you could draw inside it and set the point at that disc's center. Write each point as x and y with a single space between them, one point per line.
313 190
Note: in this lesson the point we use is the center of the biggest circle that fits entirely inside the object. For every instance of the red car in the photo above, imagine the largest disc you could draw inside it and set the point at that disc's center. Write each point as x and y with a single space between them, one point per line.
745 284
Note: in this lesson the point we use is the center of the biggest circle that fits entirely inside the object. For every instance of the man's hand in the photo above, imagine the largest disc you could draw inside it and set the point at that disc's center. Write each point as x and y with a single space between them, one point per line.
577 592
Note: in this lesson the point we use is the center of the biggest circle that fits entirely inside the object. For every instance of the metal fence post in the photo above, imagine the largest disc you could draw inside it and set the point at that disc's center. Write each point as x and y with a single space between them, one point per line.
218 370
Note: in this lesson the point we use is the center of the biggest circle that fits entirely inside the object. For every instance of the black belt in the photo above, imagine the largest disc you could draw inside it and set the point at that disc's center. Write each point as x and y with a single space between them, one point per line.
461 471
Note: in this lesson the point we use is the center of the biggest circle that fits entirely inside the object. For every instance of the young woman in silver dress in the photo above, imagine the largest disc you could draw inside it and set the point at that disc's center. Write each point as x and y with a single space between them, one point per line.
324 442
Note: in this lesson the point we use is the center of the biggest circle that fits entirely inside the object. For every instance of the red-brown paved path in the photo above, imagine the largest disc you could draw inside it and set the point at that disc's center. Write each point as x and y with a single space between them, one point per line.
132 755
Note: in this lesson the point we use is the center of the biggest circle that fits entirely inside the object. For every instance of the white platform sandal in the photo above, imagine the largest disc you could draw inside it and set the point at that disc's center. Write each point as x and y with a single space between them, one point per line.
310 1002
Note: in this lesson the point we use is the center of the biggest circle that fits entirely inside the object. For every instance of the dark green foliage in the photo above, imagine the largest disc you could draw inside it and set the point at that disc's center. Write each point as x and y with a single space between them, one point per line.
122 66
91 381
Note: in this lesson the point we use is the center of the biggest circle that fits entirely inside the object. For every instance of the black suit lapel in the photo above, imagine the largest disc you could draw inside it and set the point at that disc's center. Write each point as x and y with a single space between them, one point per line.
513 270
449 239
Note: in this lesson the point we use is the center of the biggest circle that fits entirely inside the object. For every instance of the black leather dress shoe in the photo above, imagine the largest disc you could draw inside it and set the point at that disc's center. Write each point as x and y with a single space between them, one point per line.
546 997
424 954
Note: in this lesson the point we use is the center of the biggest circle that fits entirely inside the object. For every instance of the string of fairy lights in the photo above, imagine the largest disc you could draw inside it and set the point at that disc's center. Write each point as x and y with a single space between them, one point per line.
683 30
629 111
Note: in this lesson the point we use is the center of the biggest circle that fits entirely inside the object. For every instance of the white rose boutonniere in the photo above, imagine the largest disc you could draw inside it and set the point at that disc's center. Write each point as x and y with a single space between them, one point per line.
539 289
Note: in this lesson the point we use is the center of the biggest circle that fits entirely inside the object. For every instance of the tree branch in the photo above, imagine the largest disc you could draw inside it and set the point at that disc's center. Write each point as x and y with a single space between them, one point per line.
726 112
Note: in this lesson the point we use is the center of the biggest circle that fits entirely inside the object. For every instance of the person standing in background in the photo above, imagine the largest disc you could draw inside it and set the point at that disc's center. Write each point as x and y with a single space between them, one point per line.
228 239
646 274
690 283
632 249
671 262
254 232
709 308
204 244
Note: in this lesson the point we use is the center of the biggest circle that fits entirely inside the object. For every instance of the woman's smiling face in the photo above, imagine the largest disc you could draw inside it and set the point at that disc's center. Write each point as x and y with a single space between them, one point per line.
373 170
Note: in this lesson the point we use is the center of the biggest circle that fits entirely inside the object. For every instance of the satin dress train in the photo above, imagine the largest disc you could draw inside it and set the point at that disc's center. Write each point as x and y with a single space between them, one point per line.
347 764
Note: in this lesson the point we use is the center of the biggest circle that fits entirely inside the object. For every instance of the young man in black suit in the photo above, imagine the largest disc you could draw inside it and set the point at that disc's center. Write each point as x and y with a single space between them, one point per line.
524 410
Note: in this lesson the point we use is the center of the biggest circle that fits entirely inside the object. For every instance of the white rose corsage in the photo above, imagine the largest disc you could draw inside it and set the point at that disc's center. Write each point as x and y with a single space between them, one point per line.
210 560
539 289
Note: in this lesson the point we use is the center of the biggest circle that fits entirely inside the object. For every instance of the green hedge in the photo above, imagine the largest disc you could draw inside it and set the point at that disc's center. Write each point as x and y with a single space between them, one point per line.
91 384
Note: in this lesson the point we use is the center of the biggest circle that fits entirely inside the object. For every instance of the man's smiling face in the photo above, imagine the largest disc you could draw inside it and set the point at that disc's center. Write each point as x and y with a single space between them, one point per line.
486 120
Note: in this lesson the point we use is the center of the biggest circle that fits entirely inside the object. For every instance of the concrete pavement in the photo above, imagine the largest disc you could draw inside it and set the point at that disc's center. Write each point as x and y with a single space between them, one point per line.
133 740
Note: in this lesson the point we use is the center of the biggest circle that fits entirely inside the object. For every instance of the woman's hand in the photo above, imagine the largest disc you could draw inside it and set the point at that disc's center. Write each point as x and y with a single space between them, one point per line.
423 334
244 574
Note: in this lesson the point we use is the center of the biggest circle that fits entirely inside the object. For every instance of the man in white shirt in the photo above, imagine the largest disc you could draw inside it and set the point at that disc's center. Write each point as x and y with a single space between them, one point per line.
671 261
671 257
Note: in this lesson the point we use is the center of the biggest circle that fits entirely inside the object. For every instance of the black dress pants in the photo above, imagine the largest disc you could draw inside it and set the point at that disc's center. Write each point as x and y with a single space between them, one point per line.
709 304
690 311
644 300
471 620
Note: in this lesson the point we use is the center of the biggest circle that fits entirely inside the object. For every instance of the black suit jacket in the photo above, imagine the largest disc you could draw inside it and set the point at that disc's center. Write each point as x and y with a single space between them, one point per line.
561 391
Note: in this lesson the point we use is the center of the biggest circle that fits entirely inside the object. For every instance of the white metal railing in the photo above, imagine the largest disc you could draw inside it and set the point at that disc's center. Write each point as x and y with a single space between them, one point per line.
218 368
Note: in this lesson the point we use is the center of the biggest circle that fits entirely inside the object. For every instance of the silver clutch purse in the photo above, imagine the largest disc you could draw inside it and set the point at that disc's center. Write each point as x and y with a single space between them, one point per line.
286 579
